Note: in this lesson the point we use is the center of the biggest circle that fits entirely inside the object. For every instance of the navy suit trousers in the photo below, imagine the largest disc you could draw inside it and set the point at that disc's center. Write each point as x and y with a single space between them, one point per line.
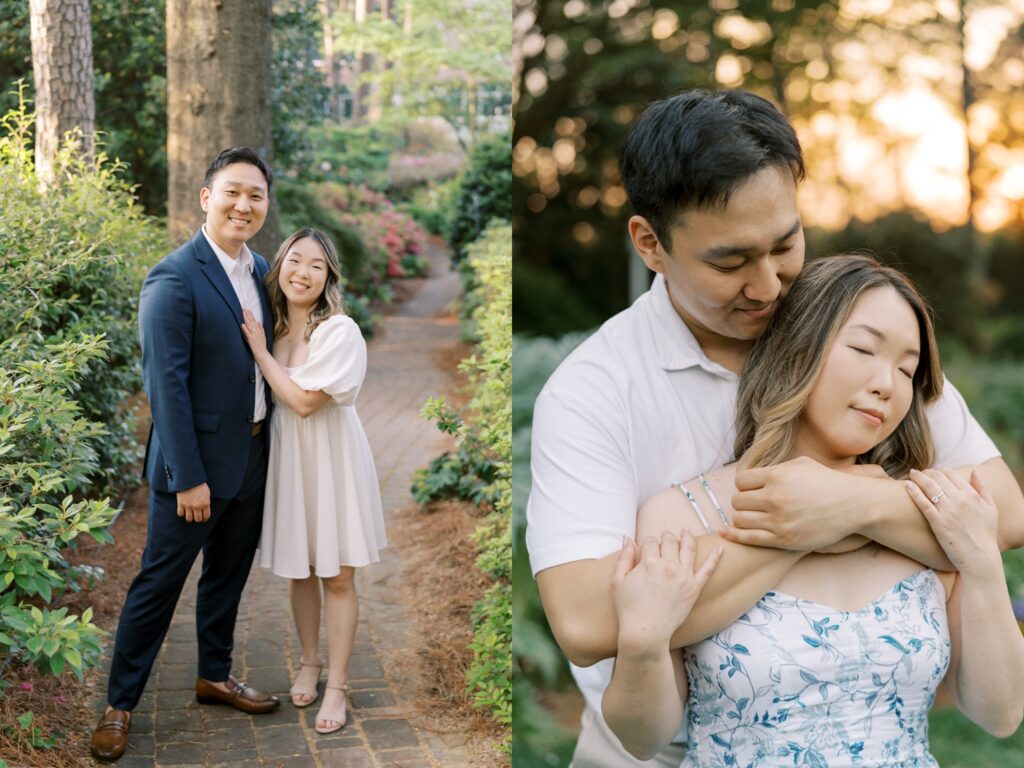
228 541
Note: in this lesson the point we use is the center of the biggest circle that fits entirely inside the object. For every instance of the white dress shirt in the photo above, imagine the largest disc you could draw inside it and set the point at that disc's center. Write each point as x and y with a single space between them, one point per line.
241 273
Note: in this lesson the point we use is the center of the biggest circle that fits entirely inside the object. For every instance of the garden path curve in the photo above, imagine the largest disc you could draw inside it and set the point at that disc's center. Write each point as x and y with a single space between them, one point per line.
171 729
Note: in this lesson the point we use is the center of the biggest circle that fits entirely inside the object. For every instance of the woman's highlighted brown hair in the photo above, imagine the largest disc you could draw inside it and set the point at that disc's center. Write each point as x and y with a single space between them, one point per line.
784 365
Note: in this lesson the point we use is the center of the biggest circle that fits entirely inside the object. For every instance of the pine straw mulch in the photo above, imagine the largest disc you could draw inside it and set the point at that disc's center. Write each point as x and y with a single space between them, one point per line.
62 707
436 550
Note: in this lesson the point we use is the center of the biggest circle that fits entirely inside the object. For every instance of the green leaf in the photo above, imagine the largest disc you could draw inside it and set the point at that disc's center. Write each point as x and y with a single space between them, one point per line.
25 720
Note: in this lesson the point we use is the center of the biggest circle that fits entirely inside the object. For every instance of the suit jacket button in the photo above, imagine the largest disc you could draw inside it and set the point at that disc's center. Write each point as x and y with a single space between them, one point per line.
249 419
252 379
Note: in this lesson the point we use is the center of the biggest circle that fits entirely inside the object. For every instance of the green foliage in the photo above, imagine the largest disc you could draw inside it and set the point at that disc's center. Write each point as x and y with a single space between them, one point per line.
994 390
483 194
299 91
27 734
467 474
355 155
489 370
439 54
433 206
46 451
73 259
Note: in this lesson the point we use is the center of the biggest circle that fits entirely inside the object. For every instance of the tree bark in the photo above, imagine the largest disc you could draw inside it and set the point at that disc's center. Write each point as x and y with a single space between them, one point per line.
330 59
62 67
218 96
360 66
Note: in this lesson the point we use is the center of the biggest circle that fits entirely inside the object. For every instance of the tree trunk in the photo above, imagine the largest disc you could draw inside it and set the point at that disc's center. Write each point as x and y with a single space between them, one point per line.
330 59
360 66
62 67
218 96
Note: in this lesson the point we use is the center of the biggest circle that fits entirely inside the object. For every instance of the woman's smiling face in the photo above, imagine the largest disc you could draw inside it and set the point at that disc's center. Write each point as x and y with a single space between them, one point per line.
866 385
303 272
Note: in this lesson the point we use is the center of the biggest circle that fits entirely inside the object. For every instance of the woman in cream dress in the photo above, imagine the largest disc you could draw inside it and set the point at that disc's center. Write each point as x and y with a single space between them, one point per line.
322 516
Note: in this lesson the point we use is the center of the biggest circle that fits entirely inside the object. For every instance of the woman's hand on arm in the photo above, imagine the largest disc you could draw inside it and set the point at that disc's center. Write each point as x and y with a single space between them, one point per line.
303 402
653 591
986 674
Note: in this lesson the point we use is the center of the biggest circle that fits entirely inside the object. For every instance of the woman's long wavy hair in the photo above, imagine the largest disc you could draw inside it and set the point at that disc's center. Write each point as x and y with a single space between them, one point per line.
331 301
786 361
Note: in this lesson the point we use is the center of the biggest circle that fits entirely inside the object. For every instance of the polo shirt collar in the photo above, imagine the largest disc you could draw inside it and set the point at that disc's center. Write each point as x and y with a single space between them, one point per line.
677 347
245 260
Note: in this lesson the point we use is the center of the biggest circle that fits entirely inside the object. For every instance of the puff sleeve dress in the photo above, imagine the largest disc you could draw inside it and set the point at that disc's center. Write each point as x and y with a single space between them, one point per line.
322 507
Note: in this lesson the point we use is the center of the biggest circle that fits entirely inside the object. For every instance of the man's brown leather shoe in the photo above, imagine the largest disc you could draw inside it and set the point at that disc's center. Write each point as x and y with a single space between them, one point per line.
239 695
110 738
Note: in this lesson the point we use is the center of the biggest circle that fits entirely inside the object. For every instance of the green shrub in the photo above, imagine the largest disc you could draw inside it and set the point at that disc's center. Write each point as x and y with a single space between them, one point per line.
73 258
46 452
483 193
489 439
466 473
433 206
353 154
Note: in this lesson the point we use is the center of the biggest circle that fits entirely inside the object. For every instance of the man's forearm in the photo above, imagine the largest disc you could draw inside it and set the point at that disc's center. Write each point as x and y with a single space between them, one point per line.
891 519
578 603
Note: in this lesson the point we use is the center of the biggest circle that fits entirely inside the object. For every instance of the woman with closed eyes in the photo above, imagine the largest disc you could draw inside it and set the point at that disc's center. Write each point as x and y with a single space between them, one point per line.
839 664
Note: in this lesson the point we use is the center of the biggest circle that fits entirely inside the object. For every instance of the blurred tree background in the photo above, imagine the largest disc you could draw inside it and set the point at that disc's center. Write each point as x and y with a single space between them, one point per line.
911 118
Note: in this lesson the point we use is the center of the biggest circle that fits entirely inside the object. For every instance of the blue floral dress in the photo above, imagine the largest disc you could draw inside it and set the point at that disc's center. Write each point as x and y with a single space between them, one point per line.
796 683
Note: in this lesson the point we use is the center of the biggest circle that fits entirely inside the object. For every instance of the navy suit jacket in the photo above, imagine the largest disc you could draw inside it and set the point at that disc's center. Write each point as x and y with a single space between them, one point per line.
198 372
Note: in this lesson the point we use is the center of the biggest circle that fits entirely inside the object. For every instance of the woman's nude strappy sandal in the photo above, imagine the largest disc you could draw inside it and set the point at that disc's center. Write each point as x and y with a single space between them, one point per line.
310 694
321 717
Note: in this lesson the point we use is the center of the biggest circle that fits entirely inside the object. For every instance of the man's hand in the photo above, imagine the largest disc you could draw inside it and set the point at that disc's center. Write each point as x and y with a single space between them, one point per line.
796 505
194 504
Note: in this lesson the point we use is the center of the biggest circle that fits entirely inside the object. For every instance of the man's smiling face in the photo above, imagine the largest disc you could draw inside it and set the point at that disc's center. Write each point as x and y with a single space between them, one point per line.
236 205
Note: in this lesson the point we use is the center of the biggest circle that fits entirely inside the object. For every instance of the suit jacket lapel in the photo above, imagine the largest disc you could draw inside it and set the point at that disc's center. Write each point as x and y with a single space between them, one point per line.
215 273
259 275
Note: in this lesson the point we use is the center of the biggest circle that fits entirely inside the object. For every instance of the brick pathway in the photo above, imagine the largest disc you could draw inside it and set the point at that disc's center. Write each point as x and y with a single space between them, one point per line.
171 729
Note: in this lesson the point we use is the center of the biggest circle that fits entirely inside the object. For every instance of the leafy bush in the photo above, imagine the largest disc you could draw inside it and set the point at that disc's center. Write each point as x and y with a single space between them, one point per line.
396 242
46 452
467 474
433 206
489 442
73 258
355 155
483 193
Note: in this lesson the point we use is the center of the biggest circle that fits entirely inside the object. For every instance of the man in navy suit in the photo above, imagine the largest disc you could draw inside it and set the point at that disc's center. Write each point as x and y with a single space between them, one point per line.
206 460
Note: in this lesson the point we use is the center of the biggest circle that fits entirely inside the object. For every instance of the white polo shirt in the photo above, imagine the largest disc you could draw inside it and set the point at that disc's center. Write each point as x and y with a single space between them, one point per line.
635 408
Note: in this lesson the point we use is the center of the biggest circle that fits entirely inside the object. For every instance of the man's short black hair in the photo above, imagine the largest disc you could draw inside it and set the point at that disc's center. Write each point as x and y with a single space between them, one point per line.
238 155
693 150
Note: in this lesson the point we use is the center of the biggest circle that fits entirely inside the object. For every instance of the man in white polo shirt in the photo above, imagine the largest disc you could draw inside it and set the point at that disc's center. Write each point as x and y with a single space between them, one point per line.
649 399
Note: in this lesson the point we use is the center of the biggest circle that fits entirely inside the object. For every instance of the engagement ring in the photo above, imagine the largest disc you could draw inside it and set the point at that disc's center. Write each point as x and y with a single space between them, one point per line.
938 496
